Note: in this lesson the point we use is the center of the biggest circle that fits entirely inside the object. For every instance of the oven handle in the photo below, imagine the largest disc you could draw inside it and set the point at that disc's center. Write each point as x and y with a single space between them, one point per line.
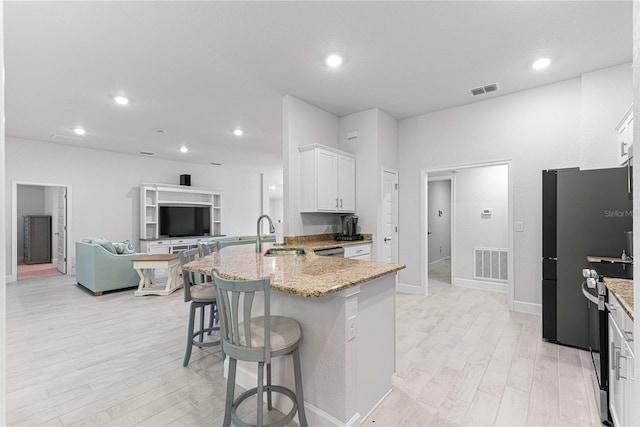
588 294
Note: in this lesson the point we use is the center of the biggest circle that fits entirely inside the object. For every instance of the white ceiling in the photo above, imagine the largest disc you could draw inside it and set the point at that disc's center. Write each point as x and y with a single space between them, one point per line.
200 69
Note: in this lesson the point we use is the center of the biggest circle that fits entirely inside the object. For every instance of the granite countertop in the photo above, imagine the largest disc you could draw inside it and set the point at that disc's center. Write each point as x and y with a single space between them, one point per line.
622 289
307 276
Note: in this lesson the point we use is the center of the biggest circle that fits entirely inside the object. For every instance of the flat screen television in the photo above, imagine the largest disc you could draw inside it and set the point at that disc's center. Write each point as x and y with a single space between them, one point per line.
181 221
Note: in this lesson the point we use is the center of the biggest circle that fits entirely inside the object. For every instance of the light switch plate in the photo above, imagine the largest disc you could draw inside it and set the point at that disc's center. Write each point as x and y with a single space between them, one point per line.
351 328
519 226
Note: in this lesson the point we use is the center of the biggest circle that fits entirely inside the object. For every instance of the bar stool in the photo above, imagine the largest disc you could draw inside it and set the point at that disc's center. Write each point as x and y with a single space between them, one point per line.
201 294
205 249
257 339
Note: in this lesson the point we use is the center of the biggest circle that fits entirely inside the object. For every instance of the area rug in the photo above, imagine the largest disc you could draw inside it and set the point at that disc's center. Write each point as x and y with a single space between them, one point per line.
36 271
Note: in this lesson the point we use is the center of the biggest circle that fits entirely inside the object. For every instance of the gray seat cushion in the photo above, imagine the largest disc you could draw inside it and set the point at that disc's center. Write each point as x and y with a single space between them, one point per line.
203 292
285 332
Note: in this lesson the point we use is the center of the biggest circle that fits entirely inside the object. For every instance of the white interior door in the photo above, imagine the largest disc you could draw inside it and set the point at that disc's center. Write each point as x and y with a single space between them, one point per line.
389 217
61 230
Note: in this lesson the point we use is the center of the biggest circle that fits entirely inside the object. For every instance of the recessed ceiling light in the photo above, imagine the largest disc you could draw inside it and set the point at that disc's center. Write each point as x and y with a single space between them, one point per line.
541 63
216 164
121 100
184 149
333 60
238 132
79 131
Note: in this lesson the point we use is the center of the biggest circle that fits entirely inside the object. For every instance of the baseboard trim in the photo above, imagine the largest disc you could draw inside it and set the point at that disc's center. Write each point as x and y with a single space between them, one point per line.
527 307
315 416
405 288
479 284
375 406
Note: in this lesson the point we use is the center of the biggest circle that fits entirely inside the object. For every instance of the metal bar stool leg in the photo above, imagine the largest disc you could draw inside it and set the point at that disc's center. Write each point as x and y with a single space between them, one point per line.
297 369
202 308
260 395
269 405
192 315
231 384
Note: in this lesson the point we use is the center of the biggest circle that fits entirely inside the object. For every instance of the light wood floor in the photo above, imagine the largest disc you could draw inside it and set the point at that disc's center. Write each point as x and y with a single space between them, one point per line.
463 359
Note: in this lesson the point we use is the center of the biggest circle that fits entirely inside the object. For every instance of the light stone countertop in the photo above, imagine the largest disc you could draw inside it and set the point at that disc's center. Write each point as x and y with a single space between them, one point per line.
309 275
622 289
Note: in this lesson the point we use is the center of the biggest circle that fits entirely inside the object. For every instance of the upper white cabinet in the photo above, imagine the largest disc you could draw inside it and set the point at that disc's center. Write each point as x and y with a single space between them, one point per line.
328 179
154 196
625 136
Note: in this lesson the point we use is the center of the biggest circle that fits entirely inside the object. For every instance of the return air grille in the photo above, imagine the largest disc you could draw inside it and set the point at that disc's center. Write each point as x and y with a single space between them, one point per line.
484 89
491 264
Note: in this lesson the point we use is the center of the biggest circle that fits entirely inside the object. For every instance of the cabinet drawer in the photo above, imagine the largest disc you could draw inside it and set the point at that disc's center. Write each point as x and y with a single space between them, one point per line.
357 250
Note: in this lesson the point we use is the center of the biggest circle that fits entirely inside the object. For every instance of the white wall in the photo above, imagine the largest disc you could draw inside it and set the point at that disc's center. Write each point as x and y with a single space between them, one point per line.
51 208
304 124
3 224
439 200
105 193
538 129
477 189
30 201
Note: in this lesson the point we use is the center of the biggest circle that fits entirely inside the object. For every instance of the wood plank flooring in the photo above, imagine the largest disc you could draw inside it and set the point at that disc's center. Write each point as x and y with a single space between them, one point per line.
463 359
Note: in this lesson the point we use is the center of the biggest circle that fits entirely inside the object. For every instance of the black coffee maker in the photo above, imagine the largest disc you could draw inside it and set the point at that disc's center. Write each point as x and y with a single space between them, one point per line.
349 228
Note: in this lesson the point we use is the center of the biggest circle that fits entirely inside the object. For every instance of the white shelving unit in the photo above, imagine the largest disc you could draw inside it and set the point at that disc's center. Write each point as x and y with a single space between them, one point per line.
152 196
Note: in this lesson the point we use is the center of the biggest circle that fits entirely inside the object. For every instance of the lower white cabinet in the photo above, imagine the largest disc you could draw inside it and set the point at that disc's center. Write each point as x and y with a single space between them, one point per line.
362 252
621 363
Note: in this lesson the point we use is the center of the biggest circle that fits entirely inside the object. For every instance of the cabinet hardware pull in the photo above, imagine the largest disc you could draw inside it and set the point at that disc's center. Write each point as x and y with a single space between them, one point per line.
336 203
612 358
617 358
340 202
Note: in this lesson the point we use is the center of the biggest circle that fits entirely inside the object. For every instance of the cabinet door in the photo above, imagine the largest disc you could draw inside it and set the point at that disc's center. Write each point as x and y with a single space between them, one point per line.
327 181
616 404
346 184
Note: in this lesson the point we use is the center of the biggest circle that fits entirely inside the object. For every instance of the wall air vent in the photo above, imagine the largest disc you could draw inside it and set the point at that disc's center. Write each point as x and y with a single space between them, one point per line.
493 87
63 139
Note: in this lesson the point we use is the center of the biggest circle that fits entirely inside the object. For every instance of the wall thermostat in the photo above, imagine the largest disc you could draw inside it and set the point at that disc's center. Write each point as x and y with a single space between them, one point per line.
486 213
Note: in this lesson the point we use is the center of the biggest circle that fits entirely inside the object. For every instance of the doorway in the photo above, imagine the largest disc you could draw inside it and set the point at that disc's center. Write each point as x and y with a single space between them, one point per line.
40 228
439 228
481 227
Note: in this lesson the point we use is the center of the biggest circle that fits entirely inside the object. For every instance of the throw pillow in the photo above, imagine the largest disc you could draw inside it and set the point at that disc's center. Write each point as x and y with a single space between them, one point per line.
121 247
106 244
131 248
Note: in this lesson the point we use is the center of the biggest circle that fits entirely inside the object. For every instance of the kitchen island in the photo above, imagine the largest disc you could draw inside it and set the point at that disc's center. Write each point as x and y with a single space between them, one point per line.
347 312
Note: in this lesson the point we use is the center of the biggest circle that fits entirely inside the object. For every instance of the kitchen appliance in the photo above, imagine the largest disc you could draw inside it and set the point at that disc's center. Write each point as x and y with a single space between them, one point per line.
593 288
349 228
332 252
585 212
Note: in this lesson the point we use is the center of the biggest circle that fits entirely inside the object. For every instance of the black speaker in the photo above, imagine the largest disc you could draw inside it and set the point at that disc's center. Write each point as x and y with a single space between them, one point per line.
185 180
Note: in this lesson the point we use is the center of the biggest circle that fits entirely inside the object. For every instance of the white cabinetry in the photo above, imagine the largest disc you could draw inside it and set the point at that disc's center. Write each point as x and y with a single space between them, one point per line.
625 136
362 252
621 363
328 180
169 246
154 196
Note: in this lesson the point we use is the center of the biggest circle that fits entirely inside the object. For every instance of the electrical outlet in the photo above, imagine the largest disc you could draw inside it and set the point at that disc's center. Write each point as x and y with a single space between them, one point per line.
351 328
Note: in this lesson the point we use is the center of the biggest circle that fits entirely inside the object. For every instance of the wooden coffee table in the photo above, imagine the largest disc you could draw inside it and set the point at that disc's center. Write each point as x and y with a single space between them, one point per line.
146 267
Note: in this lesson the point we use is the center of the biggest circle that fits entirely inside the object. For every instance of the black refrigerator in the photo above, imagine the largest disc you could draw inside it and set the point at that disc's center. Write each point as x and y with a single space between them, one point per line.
584 212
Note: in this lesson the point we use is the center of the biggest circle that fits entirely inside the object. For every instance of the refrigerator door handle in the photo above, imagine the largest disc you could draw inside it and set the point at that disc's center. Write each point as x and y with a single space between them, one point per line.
552 259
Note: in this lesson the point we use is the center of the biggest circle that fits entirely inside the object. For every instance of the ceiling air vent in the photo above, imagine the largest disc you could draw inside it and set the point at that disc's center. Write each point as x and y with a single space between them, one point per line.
484 89
146 153
63 139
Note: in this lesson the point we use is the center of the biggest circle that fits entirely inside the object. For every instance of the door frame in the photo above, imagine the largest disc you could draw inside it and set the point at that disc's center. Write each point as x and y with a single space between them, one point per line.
452 178
424 247
396 213
14 224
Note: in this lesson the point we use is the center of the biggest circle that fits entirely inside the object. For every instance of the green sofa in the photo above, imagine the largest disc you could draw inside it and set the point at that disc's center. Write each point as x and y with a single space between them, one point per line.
99 270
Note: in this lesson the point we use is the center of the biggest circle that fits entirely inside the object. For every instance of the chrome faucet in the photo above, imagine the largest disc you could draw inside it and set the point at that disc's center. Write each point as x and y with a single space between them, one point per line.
258 231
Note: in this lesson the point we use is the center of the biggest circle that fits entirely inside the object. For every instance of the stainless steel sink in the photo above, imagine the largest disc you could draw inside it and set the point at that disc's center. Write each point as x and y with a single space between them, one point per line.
284 252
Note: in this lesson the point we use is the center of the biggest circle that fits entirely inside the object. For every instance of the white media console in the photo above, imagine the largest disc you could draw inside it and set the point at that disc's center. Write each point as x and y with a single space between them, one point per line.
155 196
